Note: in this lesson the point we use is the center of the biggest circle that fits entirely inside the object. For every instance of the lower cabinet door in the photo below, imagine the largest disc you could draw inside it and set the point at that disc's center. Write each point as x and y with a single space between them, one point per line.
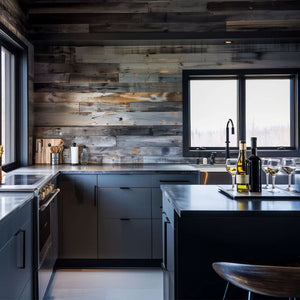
78 209
16 264
124 238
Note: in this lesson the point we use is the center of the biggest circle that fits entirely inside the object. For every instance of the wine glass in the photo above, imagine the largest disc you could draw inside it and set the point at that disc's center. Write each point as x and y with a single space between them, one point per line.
231 169
274 167
288 167
264 166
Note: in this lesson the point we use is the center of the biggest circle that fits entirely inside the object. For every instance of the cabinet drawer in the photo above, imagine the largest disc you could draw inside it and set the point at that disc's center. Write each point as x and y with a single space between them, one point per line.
124 203
126 180
130 239
158 180
156 203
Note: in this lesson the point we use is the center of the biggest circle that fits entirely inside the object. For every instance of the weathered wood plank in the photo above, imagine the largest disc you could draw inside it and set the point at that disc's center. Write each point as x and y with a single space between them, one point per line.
154 106
155 87
102 107
150 77
73 131
163 49
44 20
252 5
101 78
251 25
56 108
93 142
138 141
158 27
109 98
160 151
52 78
168 160
120 7
108 118
63 28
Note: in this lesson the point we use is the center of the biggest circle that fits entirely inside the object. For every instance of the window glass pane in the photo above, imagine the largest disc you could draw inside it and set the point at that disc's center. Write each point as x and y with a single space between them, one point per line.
268 110
212 103
8 105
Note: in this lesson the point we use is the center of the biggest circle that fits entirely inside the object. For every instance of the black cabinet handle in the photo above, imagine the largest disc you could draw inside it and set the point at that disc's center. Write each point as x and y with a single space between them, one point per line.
95 195
20 235
124 219
124 188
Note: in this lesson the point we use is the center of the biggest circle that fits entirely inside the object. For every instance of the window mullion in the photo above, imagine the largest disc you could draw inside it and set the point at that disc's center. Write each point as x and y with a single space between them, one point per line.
241 108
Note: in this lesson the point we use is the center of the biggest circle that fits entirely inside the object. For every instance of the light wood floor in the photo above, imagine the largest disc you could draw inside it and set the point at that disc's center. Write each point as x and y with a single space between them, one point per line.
108 284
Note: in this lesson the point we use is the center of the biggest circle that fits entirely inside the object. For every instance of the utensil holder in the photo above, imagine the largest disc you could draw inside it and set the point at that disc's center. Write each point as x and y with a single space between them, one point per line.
55 158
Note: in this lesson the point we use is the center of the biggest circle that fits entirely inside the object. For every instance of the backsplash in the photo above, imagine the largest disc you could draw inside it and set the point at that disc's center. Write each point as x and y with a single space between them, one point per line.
125 102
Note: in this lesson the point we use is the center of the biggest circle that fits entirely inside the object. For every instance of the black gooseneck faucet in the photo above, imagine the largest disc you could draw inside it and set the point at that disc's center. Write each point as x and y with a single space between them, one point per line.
227 137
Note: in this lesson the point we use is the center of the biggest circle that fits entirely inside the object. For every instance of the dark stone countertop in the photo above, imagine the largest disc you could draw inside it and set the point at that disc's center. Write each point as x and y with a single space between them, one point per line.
195 199
111 168
9 202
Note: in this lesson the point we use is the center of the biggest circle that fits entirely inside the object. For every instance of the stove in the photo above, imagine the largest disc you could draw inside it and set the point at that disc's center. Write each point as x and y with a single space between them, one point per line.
15 182
22 179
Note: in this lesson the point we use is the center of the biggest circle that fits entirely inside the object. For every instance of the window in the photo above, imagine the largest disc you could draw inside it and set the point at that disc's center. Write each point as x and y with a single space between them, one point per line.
261 103
14 104
8 106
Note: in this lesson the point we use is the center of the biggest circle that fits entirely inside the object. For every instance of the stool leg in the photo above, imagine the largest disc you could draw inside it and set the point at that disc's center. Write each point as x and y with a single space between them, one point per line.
249 295
227 285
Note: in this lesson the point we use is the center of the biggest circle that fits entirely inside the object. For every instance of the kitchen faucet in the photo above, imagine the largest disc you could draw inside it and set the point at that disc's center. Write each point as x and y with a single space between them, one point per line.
227 137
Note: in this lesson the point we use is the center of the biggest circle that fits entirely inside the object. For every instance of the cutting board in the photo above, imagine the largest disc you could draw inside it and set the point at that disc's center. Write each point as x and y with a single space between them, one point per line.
42 149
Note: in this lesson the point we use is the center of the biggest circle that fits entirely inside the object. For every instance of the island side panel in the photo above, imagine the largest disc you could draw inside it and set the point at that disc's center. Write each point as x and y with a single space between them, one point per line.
207 237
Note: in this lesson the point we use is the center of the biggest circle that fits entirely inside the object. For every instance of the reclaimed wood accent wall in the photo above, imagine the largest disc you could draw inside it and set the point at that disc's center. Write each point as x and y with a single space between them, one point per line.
124 102
12 16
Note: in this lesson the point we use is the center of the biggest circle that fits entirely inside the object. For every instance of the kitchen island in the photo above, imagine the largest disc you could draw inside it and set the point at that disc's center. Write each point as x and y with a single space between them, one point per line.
202 226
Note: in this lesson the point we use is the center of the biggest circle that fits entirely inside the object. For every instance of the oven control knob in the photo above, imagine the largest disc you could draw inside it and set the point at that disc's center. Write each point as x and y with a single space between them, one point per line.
47 189
42 194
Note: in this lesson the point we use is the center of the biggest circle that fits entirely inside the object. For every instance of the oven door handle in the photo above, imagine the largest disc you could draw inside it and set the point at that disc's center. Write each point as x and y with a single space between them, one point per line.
44 206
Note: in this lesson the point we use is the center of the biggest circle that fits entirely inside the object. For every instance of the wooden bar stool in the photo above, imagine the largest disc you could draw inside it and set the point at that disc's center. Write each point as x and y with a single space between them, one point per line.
275 281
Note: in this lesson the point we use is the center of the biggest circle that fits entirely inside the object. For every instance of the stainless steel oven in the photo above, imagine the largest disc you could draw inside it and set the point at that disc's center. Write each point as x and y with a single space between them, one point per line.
45 229
47 232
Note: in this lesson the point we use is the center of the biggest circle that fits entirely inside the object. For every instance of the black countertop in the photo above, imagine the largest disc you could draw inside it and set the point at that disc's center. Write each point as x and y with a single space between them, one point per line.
9 202
110 169
193 199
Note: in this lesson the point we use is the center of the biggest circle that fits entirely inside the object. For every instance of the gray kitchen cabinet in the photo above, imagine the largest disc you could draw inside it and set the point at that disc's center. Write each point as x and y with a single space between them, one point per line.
79 216
124 203
16 255
125 238
130 213
124 206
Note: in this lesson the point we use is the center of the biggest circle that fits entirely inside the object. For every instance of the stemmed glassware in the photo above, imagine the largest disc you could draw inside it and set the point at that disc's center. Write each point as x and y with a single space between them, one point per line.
264 166
231 169
288 167
273 168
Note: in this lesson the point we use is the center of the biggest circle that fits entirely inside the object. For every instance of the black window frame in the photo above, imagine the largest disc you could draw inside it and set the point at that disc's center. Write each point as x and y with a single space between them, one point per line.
241 75
20 50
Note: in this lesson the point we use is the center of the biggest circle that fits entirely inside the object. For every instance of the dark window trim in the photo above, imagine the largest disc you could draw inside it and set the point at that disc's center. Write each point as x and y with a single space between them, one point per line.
12 43
241 74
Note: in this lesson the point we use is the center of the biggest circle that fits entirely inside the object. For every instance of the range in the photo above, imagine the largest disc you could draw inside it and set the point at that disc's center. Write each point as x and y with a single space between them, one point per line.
45 227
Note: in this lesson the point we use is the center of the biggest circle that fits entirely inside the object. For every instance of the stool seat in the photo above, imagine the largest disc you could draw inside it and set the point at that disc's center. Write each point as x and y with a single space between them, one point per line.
275 281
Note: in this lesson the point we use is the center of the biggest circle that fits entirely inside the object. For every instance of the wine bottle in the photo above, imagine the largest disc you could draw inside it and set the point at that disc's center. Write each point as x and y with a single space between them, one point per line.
254 168
242 176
